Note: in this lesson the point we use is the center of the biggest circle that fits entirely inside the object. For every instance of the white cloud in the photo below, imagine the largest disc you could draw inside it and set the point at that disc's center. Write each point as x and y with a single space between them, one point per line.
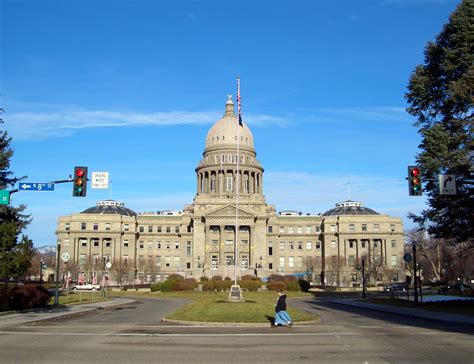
62 122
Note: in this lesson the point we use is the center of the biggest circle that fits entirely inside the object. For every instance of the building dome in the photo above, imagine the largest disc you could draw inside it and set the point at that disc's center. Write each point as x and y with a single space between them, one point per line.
224 132
109 207
350 208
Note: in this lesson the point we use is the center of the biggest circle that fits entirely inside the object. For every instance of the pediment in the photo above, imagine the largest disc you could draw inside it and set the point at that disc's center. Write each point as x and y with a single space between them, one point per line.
229 212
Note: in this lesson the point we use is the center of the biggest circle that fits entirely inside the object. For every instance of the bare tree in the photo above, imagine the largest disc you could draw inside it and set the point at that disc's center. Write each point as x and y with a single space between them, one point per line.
120 271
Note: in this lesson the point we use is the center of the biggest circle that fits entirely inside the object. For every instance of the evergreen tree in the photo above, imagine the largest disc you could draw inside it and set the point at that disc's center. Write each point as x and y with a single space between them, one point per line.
440 95
13 254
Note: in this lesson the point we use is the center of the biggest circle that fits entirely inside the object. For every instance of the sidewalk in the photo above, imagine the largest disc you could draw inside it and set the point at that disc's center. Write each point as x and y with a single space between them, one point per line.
408 311
55 312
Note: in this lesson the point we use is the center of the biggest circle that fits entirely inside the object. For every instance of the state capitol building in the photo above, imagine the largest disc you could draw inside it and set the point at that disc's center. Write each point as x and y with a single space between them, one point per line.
200 239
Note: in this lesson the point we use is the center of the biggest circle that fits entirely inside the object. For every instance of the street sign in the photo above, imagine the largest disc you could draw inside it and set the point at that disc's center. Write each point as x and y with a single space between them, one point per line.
34 186
4 197
100 180
447 184
407 257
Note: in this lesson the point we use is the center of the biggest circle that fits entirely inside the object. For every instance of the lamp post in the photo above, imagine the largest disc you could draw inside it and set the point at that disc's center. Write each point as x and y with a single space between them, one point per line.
41 271
58 255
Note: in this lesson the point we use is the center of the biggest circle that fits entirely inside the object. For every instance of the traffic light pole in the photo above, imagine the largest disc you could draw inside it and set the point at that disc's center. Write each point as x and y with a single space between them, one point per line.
415 301
58 255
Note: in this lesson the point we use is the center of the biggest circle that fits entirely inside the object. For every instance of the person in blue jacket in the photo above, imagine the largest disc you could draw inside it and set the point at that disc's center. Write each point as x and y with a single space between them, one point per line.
282 318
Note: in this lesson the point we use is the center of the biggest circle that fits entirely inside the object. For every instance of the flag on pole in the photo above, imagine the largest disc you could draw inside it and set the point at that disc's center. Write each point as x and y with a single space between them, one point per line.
239 106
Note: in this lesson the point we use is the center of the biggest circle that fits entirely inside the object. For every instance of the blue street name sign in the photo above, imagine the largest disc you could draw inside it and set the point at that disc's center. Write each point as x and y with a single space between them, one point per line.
32 186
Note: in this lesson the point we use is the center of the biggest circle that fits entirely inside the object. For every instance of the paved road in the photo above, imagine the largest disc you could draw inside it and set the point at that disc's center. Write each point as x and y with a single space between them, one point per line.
133 333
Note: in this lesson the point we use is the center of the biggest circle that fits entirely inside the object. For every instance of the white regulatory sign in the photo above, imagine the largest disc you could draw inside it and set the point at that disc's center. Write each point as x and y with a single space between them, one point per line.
447 184
100 180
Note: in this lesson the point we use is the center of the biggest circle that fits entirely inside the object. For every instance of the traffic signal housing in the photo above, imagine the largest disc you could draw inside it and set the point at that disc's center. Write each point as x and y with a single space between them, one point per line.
79 186
415 187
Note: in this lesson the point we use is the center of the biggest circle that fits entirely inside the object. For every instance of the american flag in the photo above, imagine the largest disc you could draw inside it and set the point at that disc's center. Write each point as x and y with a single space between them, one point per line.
239 106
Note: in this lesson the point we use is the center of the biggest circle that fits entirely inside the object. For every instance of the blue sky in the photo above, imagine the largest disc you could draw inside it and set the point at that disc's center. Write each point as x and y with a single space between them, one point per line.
132 87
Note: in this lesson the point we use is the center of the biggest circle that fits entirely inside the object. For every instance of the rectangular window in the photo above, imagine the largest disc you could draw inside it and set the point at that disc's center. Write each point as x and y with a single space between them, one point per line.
364 227
214 262
229 158
244 262
188 248
222 158
67 226
270 229
332 228
270 248
141 244
363 243
213 184
167 261
290 229
150 245
394 243
125 243
96 242
282 262
333 243
126 227
299 262
246 184
244 242
158 229
229 242
393 260
376 227
66 241
214 242
392 227
318 229
158 261
188 265
168 244
83 242
83 226
107 226
150 228
309 245
308 229
351 228
318 245
177 262
299 230
291 245
229 183
108 243
270 265
351 243
282 245
176 229
300 245
141 229
95 226
291 262
282 229
351 260
168 229
229 260
176 244
158 245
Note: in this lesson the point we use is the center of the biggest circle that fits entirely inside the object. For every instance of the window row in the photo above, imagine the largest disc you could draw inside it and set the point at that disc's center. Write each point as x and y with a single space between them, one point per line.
158 229
295 229
363 227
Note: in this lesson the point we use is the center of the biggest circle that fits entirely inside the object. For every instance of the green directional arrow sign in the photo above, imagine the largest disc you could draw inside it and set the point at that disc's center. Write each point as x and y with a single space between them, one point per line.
4 197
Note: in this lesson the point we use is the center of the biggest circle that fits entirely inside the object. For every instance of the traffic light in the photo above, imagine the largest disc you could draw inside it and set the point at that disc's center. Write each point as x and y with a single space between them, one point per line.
414 181
79 186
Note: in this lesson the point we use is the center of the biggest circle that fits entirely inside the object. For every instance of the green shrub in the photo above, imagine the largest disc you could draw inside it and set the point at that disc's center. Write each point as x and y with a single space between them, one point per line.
204 279
167 285
222 285
250 285
216 278
155 287
293 286
304 285
227 278
249 277
276 278
175 277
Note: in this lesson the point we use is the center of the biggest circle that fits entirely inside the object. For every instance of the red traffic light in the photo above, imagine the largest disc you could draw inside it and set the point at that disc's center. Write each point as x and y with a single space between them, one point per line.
415 172
79 172
80 182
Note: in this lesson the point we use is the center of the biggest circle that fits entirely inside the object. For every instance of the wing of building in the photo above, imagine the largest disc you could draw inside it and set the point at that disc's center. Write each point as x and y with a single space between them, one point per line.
230 206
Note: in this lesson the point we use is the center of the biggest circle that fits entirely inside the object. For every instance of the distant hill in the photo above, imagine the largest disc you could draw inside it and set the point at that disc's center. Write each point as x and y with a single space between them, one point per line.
47 250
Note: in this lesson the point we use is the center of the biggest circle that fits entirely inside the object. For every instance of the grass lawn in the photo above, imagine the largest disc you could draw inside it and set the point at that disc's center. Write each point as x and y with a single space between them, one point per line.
460 307
212 306
75 298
